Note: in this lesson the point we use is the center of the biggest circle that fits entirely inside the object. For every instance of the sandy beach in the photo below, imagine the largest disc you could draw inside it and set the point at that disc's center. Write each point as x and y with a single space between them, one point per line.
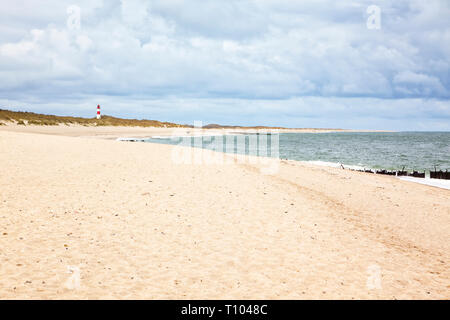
84 216
110 132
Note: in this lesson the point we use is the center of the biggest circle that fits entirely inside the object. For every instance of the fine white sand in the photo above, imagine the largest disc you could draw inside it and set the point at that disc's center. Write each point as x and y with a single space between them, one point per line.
98 218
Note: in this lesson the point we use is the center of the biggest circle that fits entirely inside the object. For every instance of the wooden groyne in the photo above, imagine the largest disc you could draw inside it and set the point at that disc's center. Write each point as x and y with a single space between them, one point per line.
440 174
402 173
417 174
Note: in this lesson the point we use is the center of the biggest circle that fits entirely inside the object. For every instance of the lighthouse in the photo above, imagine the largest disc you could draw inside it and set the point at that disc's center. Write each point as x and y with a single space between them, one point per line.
98 112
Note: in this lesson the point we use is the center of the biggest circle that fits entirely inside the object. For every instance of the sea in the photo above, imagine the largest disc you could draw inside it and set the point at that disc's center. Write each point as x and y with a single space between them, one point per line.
420 151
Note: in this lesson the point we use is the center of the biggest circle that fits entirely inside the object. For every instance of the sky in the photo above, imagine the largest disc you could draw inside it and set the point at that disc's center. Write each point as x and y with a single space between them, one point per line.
311 63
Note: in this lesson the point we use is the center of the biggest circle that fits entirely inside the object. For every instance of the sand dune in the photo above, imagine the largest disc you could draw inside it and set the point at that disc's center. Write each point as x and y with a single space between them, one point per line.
97 218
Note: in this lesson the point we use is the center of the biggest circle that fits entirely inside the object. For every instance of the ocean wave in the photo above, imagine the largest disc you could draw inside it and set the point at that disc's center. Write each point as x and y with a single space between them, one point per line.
131 139
337 165
189 136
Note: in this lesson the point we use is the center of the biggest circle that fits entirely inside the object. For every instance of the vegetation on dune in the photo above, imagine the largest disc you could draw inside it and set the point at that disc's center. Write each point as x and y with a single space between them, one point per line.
37 119
31 118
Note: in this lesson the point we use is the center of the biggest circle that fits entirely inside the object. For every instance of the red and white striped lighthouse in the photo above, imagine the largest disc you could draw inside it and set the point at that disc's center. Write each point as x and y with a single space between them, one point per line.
98 112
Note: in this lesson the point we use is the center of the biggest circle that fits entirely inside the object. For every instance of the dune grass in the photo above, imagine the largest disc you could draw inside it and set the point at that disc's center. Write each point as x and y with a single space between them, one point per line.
37 119
31 118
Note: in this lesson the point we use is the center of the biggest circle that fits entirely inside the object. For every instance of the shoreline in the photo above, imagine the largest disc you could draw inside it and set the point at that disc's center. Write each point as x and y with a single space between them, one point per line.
438 183
114 132
140 133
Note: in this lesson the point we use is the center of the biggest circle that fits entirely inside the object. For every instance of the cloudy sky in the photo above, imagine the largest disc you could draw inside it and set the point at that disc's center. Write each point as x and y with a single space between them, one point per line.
304 63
